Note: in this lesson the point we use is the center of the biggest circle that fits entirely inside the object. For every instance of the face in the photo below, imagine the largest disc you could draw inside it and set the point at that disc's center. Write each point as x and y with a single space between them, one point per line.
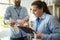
36 11
17 2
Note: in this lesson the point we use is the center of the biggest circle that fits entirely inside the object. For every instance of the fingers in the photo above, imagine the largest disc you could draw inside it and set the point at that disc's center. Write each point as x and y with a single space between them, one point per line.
37 35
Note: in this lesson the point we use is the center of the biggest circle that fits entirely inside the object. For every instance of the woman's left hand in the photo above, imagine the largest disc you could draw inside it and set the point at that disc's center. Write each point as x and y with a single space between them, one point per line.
38 35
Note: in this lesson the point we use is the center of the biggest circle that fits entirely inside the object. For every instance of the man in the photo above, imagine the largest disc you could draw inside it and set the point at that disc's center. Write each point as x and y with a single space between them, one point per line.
18 15
46 26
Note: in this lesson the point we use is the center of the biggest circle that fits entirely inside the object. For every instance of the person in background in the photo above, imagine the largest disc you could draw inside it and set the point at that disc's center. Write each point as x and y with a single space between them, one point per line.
18 15
47 27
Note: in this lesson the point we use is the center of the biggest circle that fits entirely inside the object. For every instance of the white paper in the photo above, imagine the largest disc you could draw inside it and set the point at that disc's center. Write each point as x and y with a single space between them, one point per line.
15 29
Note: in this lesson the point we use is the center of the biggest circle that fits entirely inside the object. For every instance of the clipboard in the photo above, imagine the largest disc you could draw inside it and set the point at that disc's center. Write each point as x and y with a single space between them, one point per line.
27 29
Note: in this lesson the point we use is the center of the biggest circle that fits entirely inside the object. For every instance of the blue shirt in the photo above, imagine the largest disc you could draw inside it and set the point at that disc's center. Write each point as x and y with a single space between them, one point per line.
49 27
16 14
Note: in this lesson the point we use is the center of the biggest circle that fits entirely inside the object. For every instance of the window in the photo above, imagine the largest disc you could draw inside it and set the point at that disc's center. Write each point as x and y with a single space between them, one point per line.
4 1
3 5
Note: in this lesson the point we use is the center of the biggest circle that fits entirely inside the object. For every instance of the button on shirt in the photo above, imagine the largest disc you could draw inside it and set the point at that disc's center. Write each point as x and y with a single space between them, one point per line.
49 27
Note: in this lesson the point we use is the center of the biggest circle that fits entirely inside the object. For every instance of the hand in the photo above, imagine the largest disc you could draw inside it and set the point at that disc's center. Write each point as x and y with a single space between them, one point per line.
11 22
20 23
38 35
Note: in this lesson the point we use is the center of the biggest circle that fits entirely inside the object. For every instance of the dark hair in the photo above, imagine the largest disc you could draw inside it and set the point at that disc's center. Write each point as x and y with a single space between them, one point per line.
45 8
40 5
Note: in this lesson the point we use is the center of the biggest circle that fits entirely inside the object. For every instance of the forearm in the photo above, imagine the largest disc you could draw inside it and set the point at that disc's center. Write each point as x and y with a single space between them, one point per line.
50 36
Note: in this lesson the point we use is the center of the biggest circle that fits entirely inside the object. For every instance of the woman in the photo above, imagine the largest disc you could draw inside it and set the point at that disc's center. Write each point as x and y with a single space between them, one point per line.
46 26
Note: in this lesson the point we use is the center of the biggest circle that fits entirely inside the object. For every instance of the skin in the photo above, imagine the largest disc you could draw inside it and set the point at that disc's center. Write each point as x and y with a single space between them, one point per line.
36 11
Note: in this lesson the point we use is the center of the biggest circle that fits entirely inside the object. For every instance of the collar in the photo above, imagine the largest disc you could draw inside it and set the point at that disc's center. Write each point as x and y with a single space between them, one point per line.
15 7
43 16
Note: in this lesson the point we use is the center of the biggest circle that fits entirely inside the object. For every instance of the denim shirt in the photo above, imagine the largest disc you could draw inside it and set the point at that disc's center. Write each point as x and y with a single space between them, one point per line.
49 27
11 13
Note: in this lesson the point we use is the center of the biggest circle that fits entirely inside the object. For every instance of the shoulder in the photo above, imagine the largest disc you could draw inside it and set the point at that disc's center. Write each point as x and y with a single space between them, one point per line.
51 18
10 7
24 8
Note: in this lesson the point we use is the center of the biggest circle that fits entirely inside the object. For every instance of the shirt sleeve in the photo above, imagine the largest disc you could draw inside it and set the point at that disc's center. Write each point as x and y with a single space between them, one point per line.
26 13
7 15
54 27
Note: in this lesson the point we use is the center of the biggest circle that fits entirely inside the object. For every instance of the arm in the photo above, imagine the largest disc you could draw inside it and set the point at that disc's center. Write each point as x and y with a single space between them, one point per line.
25 17
7 17
54 27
